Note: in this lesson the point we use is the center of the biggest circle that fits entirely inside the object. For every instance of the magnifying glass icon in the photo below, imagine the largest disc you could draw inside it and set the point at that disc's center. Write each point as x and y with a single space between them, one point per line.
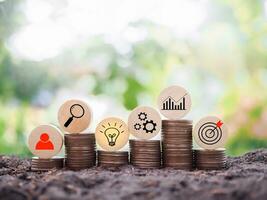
76 111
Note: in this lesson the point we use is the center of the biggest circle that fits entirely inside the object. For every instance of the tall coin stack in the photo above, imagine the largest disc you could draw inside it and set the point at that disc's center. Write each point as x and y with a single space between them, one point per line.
80 151
112 158
210 159
177 144
145 154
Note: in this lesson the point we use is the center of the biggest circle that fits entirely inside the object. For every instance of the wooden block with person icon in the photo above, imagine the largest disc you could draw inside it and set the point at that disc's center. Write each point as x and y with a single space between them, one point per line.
45 142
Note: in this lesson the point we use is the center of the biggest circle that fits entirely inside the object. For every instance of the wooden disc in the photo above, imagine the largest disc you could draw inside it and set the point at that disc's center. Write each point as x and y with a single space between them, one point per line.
144 122
74 116
112 134
174 102
45 141
210 133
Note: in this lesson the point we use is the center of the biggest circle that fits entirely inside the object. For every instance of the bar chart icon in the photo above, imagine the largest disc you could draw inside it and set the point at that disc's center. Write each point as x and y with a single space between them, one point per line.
170 104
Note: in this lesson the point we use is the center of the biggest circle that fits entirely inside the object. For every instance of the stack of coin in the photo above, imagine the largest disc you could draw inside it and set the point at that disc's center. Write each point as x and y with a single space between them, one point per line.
80 151
41 164
210 159
194 159
112 158
177 144
145 154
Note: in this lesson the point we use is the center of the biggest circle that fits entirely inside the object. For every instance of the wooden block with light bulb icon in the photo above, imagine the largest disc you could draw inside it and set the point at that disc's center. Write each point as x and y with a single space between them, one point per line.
112 134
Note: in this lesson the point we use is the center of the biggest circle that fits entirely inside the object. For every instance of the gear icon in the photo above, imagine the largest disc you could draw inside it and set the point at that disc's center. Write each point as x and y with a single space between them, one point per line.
142 116
149 126
137 126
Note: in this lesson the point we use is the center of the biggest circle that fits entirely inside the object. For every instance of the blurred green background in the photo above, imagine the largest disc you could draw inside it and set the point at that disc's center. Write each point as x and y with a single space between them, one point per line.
118 54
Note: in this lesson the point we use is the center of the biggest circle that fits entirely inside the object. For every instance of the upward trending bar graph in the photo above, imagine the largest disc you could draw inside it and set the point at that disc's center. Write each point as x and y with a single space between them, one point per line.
170 104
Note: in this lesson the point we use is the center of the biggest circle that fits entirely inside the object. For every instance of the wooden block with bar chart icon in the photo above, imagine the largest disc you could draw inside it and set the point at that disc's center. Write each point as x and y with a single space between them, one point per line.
210 133
144 122
45 141
74 116
174 102
112 134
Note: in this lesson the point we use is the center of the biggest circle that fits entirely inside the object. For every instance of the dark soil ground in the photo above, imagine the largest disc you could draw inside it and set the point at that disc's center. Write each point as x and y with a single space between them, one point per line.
244 178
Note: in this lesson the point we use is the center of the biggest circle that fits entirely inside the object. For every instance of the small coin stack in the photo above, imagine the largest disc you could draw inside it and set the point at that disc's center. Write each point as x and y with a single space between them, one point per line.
39 164
210 159
145 154
177 144
80 151
112 158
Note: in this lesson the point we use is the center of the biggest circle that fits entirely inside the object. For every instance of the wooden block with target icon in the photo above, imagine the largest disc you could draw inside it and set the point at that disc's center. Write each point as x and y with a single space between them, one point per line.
210 133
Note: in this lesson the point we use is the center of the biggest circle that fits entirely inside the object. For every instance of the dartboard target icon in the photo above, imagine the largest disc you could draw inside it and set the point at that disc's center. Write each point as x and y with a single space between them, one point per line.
210 133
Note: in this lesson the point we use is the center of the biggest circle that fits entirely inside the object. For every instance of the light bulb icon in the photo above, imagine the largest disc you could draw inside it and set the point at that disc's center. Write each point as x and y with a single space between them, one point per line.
112 135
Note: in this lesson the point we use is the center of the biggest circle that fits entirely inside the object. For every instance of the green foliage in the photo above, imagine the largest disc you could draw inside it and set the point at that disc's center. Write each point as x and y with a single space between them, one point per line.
13 143
20 127
10 18
2 127
243 142
131 93
146 68
256 112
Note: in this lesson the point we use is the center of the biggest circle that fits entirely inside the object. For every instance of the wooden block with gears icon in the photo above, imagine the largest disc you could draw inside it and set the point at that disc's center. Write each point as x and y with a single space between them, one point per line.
144 122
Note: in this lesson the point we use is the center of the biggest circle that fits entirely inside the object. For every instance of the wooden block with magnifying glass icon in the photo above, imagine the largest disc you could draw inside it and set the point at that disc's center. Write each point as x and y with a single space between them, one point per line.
74 116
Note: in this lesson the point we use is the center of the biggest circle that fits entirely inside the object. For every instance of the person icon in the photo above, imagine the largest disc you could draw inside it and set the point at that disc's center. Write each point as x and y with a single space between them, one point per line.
44 143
